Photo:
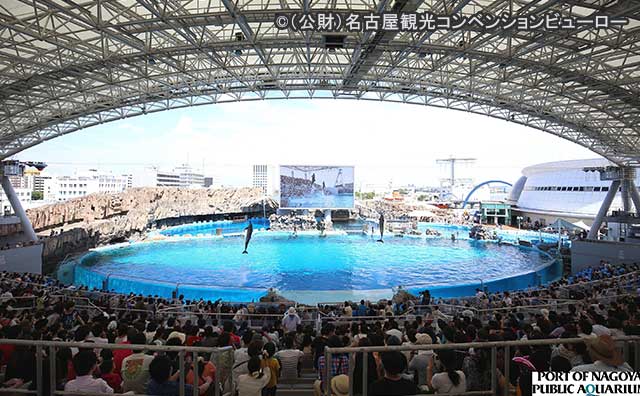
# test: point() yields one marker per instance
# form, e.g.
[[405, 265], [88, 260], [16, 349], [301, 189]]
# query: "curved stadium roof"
[[67, 65]]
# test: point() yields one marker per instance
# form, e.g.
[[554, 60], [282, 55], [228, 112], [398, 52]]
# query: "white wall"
[[580, 203]]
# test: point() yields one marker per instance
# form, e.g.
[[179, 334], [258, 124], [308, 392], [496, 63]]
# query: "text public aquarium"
[[586, 383]]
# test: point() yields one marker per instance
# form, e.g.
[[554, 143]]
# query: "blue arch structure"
[[466, 200]]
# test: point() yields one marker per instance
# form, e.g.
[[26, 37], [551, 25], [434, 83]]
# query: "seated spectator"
[[560, 364], [339, 364], [358, 369], [84, 364], [205, 370], [209, 339], [252, 383], [394, 363], [449, 380], [135, 367], [270, 362], [340, 385], [419, 362], [109, 374], [290, 359], [120, 354], [605, 356], [159, 383], [242, 356]]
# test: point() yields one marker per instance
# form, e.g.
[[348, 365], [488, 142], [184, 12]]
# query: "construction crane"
[[451, 161]]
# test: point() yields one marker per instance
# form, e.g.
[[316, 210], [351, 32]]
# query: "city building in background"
[[189, 177], [261, 177], [166, 179], [62, 188], [24, 196], [212, 181], [183, 176], [32, 180], [154, 177]]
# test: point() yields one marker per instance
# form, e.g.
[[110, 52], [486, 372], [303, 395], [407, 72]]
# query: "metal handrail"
[[494, 345], [50, 346]]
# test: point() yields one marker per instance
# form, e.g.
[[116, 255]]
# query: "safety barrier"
[[47, 350], [504, 346]]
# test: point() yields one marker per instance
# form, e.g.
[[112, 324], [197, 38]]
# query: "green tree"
[[365, 195], [422, 197], [37, 195]]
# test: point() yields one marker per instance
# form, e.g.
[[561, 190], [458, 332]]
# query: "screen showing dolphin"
[[316, 187]]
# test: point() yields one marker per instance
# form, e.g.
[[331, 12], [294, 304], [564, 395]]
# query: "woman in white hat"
[[420, 361]]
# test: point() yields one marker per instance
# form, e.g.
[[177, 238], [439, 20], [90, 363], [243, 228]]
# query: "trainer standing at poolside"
[[291, 321]]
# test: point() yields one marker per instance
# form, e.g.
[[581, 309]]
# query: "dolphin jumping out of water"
[[381, 225], [247, 237]]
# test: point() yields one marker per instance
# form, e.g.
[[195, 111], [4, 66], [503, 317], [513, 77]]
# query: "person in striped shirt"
[[289, 358], [339, 365]]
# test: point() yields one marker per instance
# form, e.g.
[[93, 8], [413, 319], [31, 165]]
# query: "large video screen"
[[316, 187]]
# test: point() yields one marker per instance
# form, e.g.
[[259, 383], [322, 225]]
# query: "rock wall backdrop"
[[86, 222]]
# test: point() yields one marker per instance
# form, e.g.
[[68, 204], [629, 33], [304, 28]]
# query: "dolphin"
[[247, 237], [381, 225]]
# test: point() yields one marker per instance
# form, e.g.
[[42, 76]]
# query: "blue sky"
[[387, 142]]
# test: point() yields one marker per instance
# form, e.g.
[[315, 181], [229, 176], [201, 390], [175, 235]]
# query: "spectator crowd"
[[265, 346]]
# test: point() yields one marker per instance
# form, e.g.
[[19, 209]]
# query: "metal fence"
[[45, 351], [630, 349]]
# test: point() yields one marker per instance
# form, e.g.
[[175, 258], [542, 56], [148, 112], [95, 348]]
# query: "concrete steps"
[[302, 386]]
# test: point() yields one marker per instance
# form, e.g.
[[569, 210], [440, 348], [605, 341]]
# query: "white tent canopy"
[[582, 225], [567, 225]]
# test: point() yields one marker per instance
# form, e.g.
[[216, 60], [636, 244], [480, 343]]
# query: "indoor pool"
[[309, 268]]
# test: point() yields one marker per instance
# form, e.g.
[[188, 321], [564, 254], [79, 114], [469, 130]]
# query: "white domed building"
[[562, 189]]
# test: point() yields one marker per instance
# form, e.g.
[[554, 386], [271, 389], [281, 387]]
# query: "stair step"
[[295, 392]]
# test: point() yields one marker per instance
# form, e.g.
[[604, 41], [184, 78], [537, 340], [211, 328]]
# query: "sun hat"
[[292, 311], [423, 339], [525, 362], [603, 348], [340, 385], [178, 335], [396, 333]]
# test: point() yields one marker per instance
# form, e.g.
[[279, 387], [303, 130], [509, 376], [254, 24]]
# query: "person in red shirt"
[[120, 354], [228, 328], [112, 378], [192, 336], [6, 350]]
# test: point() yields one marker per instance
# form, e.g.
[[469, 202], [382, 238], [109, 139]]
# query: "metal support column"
[[626, 196], [27, 228], [635, 196], [606, 204]]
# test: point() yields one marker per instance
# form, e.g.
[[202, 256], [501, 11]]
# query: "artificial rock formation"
[[97, 219], [288, 223]]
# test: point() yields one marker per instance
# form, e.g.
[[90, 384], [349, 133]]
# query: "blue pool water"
[[309, 268]]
